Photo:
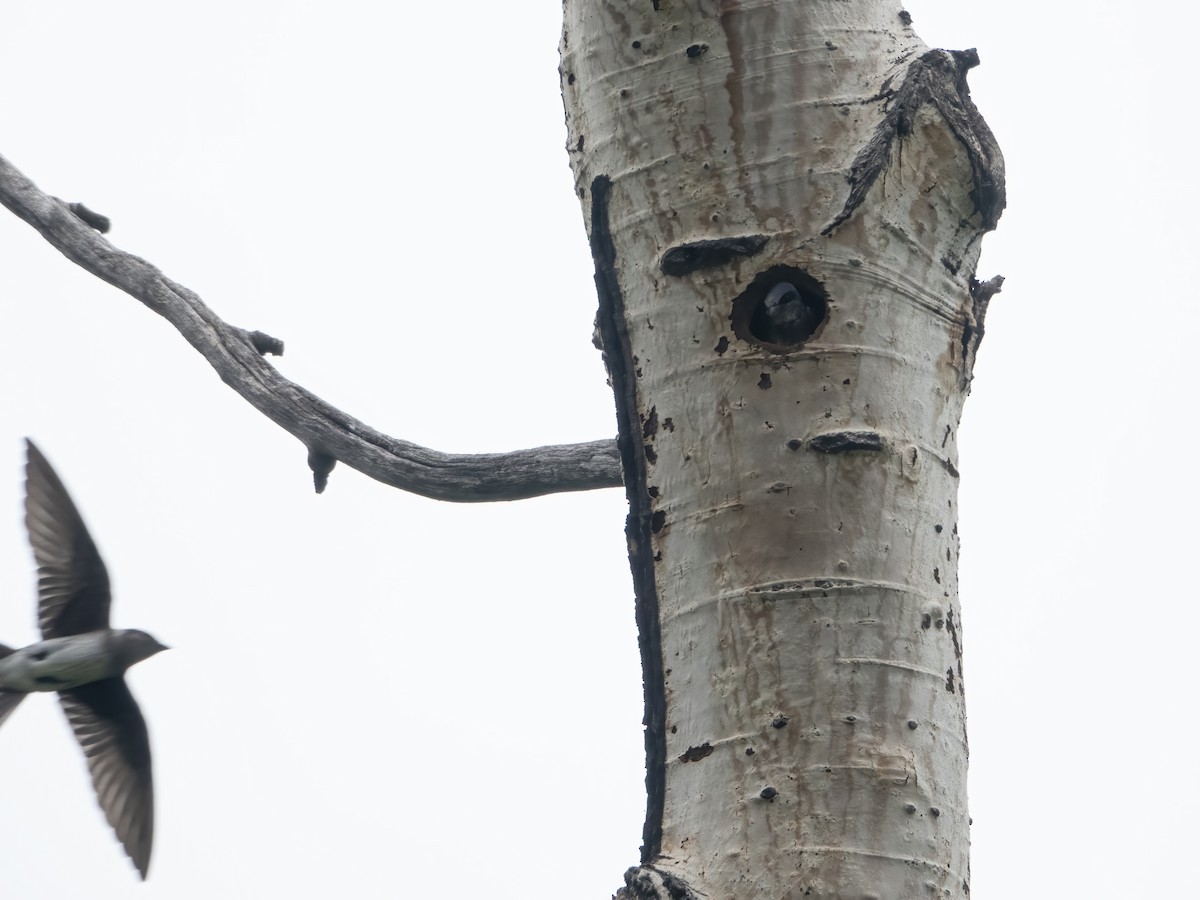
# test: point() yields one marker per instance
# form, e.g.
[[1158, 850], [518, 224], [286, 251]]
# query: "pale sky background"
[[374, 695]]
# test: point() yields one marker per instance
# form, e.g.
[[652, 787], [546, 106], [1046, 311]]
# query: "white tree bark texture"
[[329, 434], [785, 203]]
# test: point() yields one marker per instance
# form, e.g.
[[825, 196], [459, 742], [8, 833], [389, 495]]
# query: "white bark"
[[793, 527]]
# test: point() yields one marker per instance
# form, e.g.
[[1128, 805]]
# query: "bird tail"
[[8, 699]]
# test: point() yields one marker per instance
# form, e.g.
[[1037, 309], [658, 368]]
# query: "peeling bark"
[[939, 78], [972, 333], [327, 433]]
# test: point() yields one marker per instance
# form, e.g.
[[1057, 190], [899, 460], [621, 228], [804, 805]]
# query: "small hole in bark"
[[658, 521], [795, 444], [768, 793], [696, 50], [781, 309], [571, 78], [779, 722], [637, 45], [579, 143]]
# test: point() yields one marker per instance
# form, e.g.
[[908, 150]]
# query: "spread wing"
[[73, 592], [9, 700], [110, 729]]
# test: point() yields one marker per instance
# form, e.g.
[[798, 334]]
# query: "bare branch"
[[328, 433]]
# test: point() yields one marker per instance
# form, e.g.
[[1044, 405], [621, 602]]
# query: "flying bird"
[[84, 660]]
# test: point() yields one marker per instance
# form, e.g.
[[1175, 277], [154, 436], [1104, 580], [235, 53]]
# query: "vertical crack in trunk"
[[621, 370]]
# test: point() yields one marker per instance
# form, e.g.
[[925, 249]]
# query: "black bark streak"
[[962, 687], [953, 629], [846, 441], [938, 77], [619, 359], [689, 257]]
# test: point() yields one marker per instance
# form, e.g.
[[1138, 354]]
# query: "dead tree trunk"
[[785, 203]]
